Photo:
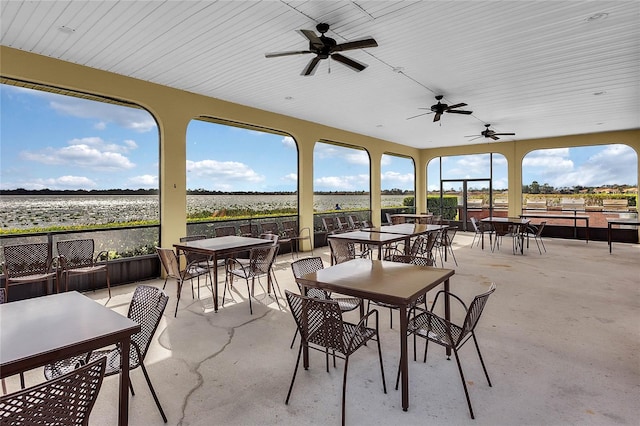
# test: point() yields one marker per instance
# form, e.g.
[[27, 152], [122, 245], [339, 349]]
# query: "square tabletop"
[[378, 280], [367, 237], [411, 229], [37, 331], [222, 245]]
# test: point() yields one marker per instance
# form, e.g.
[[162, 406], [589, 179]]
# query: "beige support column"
[[420, 184], [306, 144], [172, 177], [375, 158]]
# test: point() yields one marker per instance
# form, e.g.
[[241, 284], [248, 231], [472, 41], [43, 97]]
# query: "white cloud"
[[101, 125], [291, 177], [391, 178], [135, 119], [223, 171], [342, 183], [144, 181], [350, 155], [289, 142], [90, 152]]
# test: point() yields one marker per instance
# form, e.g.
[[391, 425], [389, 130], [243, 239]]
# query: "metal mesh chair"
[[249, 230], [308, 265], [260, 264], [329, 225], [433, 328], [77, 258], [66, 400], [146, 308], [479, 230], [29, 263], [224, 231], [444, 244], [270, 228], [535, 232], [321, 328], [294, 235], [171, 265], [343, 251]]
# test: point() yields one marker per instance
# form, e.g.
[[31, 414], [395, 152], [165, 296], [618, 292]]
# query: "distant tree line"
[[545, 188]]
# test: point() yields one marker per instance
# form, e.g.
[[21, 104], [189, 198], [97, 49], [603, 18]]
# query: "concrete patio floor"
[[560, 338]]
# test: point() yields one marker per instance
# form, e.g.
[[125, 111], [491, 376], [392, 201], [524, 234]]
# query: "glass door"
[[461, 199]]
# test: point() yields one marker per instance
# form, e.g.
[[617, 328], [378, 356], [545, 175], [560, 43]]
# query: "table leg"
[[214, 284], [447, 308], [609, 237], [404, 365], [123, 400]]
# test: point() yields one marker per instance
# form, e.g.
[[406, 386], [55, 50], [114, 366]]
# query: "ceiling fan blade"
[[293, 52], [473, 136], [494, 137], [311, 66], [456, 106], [477, 137], [437, 117], [459, 111], [313, 38], [419, 115], [505, 134], [352, 63], [356, 44]]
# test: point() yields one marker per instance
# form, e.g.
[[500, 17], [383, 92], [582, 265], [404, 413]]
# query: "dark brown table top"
[[368, 237], [514, 220], [623, 221], [378, 280], [407, 229], [37, 331], [222, 245]]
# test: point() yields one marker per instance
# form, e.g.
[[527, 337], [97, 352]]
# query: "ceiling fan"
[[325, 47], [441, 108], [488, 133]]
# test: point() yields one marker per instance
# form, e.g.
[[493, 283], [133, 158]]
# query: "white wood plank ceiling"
[[538, 69]]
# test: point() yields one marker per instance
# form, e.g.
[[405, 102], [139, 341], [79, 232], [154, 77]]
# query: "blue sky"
[[60, 142]]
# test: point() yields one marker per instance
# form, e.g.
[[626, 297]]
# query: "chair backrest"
[[329, 225], [475, 310], [501, 228], [343, 223], [26, 259], [354, 221], [388, 216], [261, 259], [474, 223], [270, 228], [413, 260], [249, 230], [290, 228], [169, 262], [224, 231], [146, 308], [397, 220], [306, 266], [76, 253], [341, 251], [191, 256], [449, 234], [319, 321], [272, 237], [540, 228], [66, 400]]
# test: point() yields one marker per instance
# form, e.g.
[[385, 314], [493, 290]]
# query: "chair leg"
[[249, 296], [108, 282], [295, 370], [294, 338], [481, 360], [344, 387], [153, 392], [384, 382], [464, 384], [179, 286]]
